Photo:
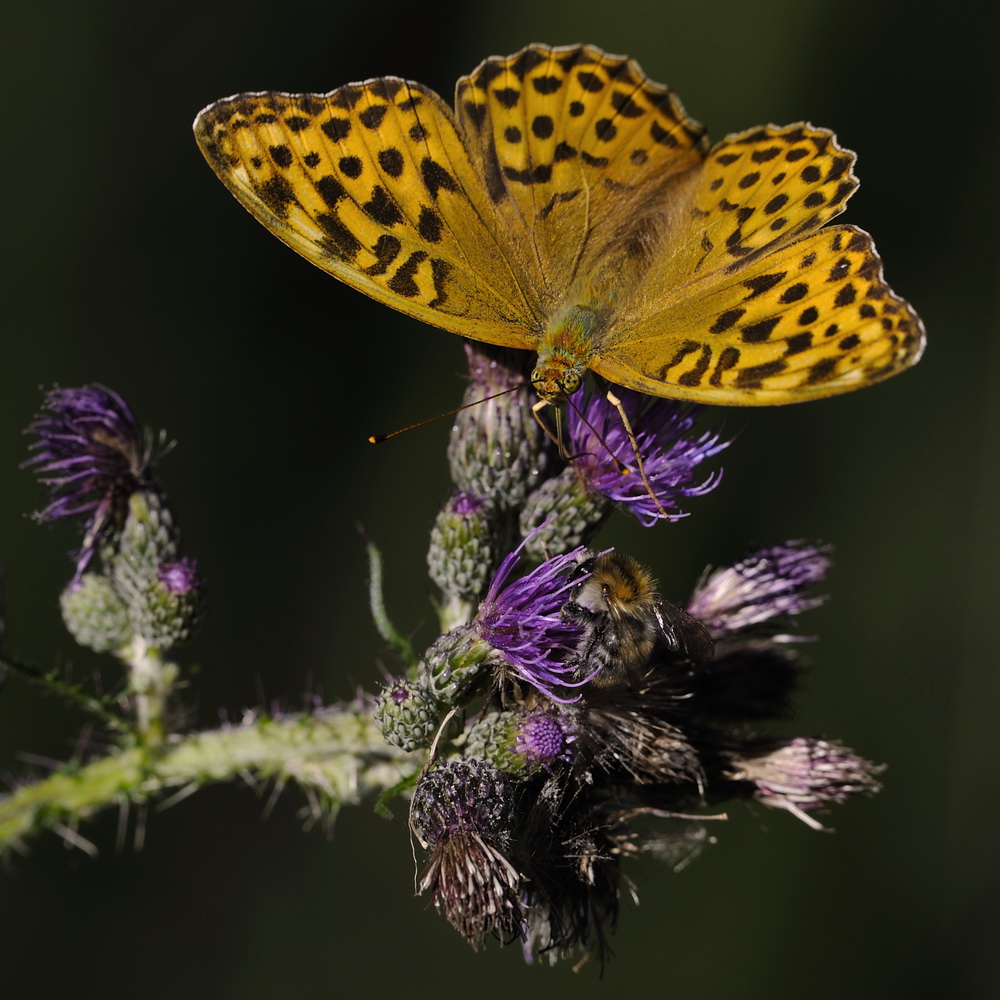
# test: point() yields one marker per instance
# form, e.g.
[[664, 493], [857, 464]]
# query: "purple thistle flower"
[[667, 443], [806, 774], [543, 738], [92, 453], [523, 621], [462, 808], [180, 576], [762, 586]]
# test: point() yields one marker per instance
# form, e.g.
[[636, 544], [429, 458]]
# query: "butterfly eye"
[[570, 383]]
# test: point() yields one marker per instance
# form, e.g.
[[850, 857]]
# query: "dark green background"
[[129, 264]]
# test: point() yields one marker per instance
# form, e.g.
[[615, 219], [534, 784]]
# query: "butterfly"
[[569, 206]]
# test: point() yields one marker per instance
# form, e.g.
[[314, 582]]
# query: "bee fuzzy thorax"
[[618, 585], [627, 624]]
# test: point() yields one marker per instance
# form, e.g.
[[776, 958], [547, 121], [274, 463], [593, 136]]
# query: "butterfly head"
[[555, 383]]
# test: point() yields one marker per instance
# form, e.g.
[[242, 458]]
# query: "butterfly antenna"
[[379, 438]]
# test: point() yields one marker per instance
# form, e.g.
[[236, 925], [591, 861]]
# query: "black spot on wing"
[[794, 292], [822, 371], [282, 156], [476, 113], [339, 242], [757, 333], [391, 161], [546, 84], [440, 269], [726, 320], [381, 208], [277, 193], [336, 129], [372, 117], [728, 358], [436, 178], [693, 377], [798, 342], [350, 166], [507, 96], [386, 250], [402, 282], [429, 225], [763, 283], [752, 377], [846, 295]]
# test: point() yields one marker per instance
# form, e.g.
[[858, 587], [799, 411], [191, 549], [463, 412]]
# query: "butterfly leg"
[[616, 403]]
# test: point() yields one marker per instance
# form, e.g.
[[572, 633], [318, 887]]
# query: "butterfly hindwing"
[[809, 319], [755, 302]]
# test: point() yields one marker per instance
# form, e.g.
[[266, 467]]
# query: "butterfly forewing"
[[372, 184], [572, 144]]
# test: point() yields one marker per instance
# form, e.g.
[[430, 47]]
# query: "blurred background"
[[128, 263]]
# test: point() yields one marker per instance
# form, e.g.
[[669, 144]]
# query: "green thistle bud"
[[148, 541], [407, 714], [462, 549], [494, 739], [169, 612], [497, 448], [160, 591], [573, 513], [454, 663], [95, 614]]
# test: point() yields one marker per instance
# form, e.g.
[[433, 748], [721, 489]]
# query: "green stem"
[[337, 753], [150, 680], [380, 616]]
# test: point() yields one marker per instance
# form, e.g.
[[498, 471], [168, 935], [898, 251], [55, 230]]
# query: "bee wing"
[[684, 633]]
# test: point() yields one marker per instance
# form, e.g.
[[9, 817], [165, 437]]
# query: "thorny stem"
[[337, 755]]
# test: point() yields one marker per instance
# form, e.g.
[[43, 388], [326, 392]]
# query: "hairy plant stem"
[[150, 681], [336, 754]]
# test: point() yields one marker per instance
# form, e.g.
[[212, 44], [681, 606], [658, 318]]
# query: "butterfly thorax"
[[566, 348]]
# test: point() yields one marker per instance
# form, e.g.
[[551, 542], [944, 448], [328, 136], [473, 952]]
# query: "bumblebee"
[[627, 623]]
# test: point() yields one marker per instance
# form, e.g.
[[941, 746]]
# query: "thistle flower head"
[[543, 738], [522, 620], [180, 576], [666, 440], [462, 807], [92, 454], [803, 774], [765, 585]]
